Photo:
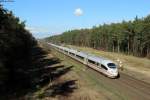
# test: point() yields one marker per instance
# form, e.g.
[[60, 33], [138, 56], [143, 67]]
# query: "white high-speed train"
[[105, 66]]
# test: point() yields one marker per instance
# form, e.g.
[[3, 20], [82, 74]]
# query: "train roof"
[[97, 59], [83, 54]]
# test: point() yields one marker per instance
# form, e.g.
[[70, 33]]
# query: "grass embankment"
[[89, 84], [134, 66]]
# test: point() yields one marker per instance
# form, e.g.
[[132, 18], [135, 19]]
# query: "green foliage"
[[132, 37], [16, 45]]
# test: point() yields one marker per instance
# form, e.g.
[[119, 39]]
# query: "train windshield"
[[111, 65]]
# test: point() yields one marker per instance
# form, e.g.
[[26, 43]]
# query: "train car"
[[100, 64], [105, 66]]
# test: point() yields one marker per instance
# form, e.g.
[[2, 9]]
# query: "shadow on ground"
[[63, 88], [40, 73]]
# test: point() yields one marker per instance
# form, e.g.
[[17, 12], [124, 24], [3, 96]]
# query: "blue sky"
[[48, 17]]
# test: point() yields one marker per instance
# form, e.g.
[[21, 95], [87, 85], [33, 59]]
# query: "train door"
[[99, 65], [85, 61]]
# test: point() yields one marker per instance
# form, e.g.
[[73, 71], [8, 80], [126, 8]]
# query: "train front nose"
[[114, 72]]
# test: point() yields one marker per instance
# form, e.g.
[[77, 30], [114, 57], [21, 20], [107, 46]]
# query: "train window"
[[102, 66], [71, 53], [80, 57], [66, 51], [111, 65], [92, 62]]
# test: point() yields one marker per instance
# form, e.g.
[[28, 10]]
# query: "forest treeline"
[[129, 37], [15, 49], [16, 54]]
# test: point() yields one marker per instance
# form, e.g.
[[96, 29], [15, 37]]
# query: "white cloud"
[[78, 12]]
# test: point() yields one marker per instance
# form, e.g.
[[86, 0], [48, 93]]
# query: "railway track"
[[125, 87]]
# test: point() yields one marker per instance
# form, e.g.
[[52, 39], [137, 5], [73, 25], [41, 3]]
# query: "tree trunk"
[[148, 54], [128, 47], [118, 46], [113, 48]]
